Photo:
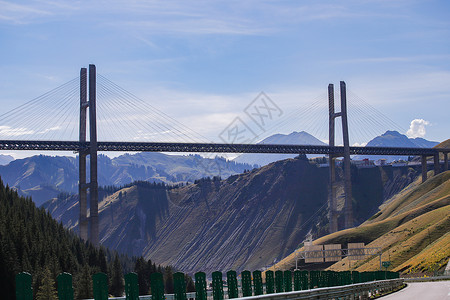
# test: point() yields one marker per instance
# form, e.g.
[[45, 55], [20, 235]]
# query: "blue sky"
[[203, 62]]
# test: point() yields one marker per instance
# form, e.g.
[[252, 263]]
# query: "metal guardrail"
[[358, 289], [422, 279]]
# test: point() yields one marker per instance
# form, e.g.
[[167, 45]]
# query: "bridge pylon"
[[83, 186], [348, 210]]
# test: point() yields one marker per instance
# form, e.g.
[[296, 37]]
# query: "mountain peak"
[[393, 133], [293, 138]]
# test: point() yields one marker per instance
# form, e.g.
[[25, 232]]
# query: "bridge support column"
[[445, 161], [424, 168], [437, 167], [332, 162], [93, 186], [348, 210], [82, 188]]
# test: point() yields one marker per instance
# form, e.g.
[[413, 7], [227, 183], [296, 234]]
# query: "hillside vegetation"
[[32, 241], [412, 229]]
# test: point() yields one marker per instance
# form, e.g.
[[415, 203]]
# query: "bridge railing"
[[279, 284]]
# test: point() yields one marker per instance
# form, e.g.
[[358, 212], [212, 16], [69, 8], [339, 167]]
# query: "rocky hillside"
[[412, 229], [246, 221]]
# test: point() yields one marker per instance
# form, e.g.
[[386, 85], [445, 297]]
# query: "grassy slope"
[[412, 230]]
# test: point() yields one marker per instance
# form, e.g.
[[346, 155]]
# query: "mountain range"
[[44, 177], [396, 139], [388, 139], [245, 221]]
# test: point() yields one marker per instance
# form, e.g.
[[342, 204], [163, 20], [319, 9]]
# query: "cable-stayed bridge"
[[44, 124]]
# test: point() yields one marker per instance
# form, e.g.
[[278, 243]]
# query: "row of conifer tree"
[[32, 241]]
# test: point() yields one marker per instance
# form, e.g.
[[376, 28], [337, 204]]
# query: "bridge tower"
[[83, 186], [348, 210]]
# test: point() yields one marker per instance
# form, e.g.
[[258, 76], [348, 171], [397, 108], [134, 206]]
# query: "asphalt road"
[[435, 290]]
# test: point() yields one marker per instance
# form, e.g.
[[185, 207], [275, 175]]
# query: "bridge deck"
[[212, 147]]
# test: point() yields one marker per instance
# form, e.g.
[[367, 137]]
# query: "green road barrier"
[[200, 286], [24, 291], [100, 286], [217, 284], [65, 288]]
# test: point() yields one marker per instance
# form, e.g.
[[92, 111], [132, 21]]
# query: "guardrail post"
[[217, 285], [157, 286], [200, 286], [287, 281], [270, 282], [246, 284], [305, 280], [356, 278], [313, 278], [24, 291], [257, 283], [65, 289], [279, 281], [179, 284], [100, 286], [297, 280], [131, 286], [233, 291]]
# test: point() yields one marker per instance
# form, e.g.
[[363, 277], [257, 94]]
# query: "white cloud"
[[50, 129], [417, 128], [9, 131]]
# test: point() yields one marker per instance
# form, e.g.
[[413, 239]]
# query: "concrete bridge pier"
[[82, 187], [437, 167], [445, 161], [332, 203], [348, 210], [93, 186]]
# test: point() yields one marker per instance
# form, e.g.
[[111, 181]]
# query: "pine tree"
[[168, 280], [190, 285], [117, 284], [141, 268], [47, 289], [83, 288]]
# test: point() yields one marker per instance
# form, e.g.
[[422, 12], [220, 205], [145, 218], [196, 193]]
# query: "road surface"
[[434, 290]]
